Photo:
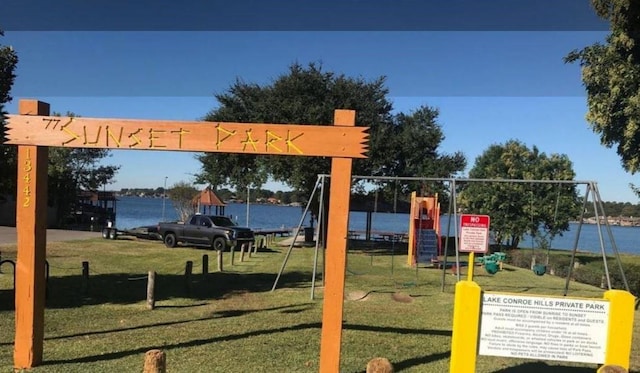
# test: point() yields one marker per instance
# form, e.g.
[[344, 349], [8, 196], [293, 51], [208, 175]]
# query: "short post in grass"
[[249, 247], [187, 276], [219, 259], [242, 248], [205, 264], [155, 361], [85, 278], [233, 248], [151, 286]]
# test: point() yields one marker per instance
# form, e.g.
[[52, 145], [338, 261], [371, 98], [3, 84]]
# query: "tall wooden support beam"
[[31, 223], [332, 309]]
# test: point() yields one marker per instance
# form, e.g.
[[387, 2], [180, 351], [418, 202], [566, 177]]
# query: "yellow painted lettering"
[[111, 135], [86, 140], [74, 136], [291, 145], [135, 138], [180, 133], [249, 141], [152, 136], [270, 140], [219, 139]]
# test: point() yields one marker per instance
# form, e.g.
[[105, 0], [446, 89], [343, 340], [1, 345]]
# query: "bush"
[[631, 272], [560, 265], [590, 273], [522, 257]]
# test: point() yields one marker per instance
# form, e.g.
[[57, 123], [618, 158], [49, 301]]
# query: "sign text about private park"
[[227, 137], [544, 328], [474, 233]]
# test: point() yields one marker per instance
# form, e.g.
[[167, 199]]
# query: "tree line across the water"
[[226, 195]]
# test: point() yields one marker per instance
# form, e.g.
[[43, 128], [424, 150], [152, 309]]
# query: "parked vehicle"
[[216, 232]]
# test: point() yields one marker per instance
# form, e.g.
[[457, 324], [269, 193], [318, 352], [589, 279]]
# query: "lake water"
[[135, 212]]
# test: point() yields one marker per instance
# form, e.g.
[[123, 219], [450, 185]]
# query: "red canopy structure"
[[206, 199]]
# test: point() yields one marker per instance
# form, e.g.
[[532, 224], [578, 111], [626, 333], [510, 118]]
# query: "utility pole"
[[164, 196], [248, 205]]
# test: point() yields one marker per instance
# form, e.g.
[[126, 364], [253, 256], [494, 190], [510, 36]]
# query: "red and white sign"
[[474, 233]]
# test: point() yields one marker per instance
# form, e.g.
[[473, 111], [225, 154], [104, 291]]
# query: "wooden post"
[[219, 257], [85, 278], [151, 290], [205, 264], [187, 276], [242, 248], [155, 361], [333, 303], [249, 248], [31, 224], [232, 253]]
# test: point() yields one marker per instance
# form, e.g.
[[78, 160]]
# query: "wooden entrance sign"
[[34, 130]]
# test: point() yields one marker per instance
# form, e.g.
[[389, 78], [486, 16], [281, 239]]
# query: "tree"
[[611, 76], [308, 95], [517, 208], [8, 153], [74, 169], [181, 195]]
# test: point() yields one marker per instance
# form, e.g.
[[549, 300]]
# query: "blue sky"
[[490, 86]]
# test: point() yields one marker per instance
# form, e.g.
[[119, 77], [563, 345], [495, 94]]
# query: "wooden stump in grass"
[[155, 361], [379, 365], [612, 369]]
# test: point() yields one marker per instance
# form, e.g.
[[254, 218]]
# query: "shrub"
[[590, 273]]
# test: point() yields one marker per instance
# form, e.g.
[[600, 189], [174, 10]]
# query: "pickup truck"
[[216, 232]]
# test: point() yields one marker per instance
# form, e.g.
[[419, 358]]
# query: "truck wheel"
[[105, 233], [219, 244], [170, 240], [113, 234]]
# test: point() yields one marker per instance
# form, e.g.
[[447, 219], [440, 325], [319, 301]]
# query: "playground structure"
[[424, 230]]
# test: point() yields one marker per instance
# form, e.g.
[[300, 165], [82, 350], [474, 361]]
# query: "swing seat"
[[539, 269], [491, 267]]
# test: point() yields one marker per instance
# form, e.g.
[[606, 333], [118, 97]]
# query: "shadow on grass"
[[193, 343], [120, 288], [199, 342]]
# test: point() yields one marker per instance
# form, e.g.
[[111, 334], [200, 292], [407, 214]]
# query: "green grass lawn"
[[232, 322]]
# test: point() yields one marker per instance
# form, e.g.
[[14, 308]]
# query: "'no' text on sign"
[[474, 233]]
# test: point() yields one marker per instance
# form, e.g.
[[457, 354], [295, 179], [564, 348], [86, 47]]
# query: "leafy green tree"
[[543, 210], [611, 76], [400, 145], [181, 195], [8, 153]]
